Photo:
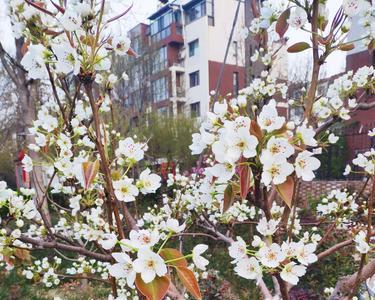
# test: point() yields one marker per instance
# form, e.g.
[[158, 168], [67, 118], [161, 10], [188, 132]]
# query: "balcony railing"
[[170, 34], [180, 92]]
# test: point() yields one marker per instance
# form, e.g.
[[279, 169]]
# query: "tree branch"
[[346, 284]]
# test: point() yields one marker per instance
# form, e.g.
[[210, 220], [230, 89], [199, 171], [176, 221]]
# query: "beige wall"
[[198, 30], [219, 34]]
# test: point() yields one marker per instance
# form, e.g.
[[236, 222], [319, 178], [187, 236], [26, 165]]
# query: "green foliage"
[[333, 161], [168, 137], [328, 268], [15, 286], [7, 164]]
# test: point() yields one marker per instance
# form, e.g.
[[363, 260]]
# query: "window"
[[159, 60], [161, 27], [210, 12], [194, 79], [195, 110], [160, 89], [236, 83], [163, 111], [161, 23], [195, 12], [193, 48]]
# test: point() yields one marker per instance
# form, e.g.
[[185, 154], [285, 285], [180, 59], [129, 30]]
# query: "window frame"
[[196, 113], [193, 50], [194, 79]]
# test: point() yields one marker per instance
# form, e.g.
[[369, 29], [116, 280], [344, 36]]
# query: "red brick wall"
[[317, 189], [227, 82]]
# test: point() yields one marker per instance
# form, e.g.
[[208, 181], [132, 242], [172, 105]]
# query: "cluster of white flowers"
[[361, 243], [45, 271], [342, 93], [338, 204], [261, 88], [18, 205], [231, 139], [290, 259], [92, 266], [366, 13], [149, 263], [61, 55], [365, 161], [269, 13]]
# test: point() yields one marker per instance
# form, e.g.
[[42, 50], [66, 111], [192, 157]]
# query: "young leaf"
[[346, 47], [156, 289], [286, 191], [371, 45], [22, 254], [171, 254], [90, 170], [256, 131], [131, 52], [298, 47], [228, 197], [282, 23], [189, 281], [245, 181]]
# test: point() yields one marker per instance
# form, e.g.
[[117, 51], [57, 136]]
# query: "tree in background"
[[167, 138]]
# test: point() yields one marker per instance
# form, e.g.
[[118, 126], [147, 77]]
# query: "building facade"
[[180, 57]]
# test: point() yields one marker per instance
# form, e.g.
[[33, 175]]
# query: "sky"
[[144, 8]]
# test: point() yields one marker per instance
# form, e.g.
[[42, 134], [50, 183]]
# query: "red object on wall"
[[22, 177], [167, 168]]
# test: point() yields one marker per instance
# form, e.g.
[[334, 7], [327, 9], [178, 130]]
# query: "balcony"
[[169, 35], [180, 91]]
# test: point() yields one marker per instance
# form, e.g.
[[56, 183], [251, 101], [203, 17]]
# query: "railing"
[[180, 92], [173, 31]]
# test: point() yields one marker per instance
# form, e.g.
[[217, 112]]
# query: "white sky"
[[144, 8]]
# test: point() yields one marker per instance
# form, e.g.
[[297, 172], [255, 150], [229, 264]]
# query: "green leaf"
[[298, 47], [286, 191], [156, 289], [282, 24], [173, 254], [189, 281]]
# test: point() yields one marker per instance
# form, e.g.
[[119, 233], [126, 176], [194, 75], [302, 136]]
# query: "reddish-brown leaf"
[[371, 45], [245, 181], [25, 47], [22, 254], [171, 254], [256, 131], [286, 191], [282, 24], [131, 52], [346, 47], [90, 170], [156, 289], [189, 281], [228, 197], [298, 47]]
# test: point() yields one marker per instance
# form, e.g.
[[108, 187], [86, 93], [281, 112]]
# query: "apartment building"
[[180, 55]]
